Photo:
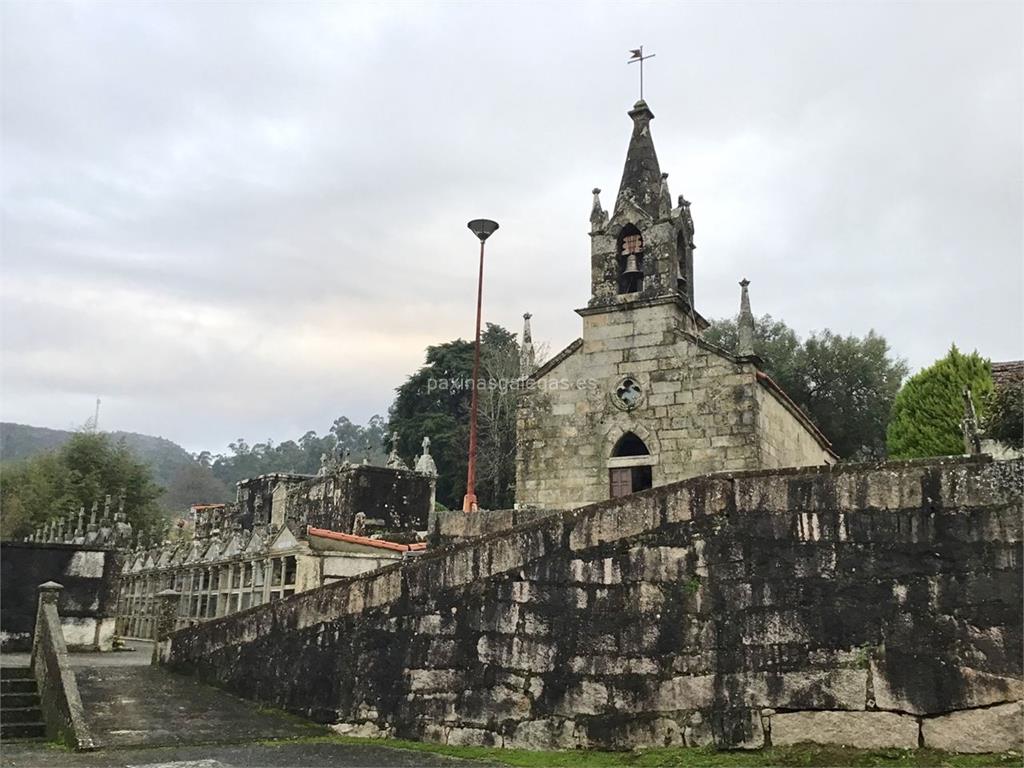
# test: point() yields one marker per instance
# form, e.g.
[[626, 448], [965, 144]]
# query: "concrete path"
[[147, 717], [138, 653], [277, 755], [148, 706], [129, 703]]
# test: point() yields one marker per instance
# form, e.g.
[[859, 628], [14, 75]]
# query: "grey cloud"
[[232, 221]]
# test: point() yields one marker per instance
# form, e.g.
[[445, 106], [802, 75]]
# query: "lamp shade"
[[482, 228]]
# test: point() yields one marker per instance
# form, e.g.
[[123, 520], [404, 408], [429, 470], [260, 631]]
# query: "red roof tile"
[[365, 540]]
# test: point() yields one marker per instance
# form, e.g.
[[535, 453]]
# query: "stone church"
[[641, 399]]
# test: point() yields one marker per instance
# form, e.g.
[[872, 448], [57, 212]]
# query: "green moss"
[[808, 755], [862, 656]]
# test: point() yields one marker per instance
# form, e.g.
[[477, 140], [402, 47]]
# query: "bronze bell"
[[632, 268]]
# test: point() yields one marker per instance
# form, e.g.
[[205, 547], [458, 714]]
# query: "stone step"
[[12, 715], [17, 686], [10, 731], [9, 700], [16, 673]]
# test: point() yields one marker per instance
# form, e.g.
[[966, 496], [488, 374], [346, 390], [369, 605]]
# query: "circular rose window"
[[628, 394]]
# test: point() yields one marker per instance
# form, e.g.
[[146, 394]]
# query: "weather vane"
[[638, 55]]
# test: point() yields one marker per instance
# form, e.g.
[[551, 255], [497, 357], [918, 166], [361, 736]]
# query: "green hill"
[[185, 480]]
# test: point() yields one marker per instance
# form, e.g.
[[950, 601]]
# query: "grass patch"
[[801, 756]]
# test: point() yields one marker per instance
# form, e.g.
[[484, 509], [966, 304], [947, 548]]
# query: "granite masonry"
[[286, 533], [866, 605], [641, 399], [391, 499], [88, 573]]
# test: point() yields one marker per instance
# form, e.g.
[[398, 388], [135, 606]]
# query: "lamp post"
[[482, 228]]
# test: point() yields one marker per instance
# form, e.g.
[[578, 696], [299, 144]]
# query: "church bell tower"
[[643, 254]]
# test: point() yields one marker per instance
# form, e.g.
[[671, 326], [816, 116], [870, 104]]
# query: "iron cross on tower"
[[638, 55]]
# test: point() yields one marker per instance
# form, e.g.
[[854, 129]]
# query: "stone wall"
[[783, 440], [456, 526], [87, 602], [59, 699], [256, 496], [691, 397], [700, 411], [863, 605], [393, 500]]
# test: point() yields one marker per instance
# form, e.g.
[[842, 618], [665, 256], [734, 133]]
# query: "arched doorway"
[[629, 468]]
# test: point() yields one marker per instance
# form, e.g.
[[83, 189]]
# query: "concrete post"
[[166, 614], [48, 594]]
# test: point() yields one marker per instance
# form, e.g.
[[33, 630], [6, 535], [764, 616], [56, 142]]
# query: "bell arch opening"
[[682, 249], [630, 260]]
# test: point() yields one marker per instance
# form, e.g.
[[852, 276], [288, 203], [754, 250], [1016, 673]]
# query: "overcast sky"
[[232, 219]]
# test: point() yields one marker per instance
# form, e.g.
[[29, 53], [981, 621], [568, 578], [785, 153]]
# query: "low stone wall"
[[455, 526], [87, 603], [59, 700], [862, 605]]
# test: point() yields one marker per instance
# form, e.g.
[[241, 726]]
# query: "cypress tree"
[[928, 409]]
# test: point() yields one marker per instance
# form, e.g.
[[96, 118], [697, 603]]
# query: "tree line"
[[855, 389], [81, 473]]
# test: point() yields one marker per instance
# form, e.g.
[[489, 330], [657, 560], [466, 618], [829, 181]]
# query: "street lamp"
[[482, 228]]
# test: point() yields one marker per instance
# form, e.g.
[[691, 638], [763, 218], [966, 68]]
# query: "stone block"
[[614, 524], [385, 588], [536, 625], [526, 654], [646, 598], [773, 627], [601, 665], [678, 505], [497, 617], [639, 733], [812, 689], [971, 485], [365, 730], [458, 568], [547, 734], [615, 331], [992, 729], [499, 556], [697, 731], [602, 571], [587, 697], [905, 689], [660, 564], [738, 728], [474, 737], [861, 730], [429, 624], [434, 679], [689, 692]]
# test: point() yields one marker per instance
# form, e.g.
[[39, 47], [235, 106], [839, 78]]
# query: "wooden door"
[[620, 481]]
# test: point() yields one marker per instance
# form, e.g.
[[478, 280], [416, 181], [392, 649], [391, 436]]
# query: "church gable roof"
[[555, 361], [768, 383], [786, 401]]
